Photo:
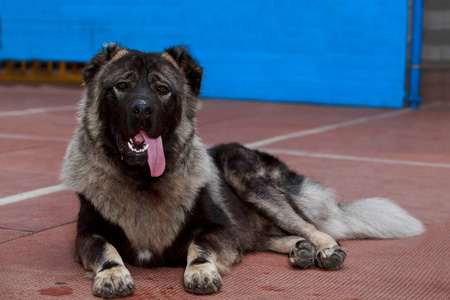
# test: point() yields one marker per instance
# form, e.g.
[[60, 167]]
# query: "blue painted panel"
[[344, 52]]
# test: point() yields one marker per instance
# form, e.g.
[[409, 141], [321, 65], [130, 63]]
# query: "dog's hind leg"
[[269, 187], [301, 251], [279, 207]]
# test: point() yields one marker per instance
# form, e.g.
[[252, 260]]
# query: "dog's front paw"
[[331, 258], [115, 282], [202, 279]]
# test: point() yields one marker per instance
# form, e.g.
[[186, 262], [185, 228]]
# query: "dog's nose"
[[141, 109]]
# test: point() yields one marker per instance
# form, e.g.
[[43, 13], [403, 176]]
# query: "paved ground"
[[400, 154]]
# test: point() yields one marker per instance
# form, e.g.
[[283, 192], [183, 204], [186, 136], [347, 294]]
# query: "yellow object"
[[37, 71]]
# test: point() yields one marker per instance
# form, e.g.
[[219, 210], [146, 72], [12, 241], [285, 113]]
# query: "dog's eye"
[[122, 86], [163, 90]]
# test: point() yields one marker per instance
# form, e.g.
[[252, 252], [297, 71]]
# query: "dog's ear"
[[100, 59], [188, 65]]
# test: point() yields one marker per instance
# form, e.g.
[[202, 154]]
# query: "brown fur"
[[208, 207], [152, 218], [84, 170]]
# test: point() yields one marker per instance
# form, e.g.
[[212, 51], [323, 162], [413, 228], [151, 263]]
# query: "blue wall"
[[344, 52]]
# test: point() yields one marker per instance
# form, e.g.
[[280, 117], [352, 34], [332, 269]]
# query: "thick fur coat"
[[152, 194]]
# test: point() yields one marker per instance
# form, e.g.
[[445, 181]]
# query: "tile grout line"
[[31, 232], [31, 111], [32, 194], [17, 238], [326, 128], [31, 138], [357, 158], [23, 230]]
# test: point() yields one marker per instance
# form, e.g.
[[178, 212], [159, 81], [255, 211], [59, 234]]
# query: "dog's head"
[[137, 104]]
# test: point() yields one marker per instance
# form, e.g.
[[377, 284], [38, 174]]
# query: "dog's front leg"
[[208, 257], [201, 275], [112, 278]]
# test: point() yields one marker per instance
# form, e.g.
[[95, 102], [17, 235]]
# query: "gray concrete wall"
[[436, 32]]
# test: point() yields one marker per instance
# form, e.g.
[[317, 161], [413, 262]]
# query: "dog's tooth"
[[134, 149]]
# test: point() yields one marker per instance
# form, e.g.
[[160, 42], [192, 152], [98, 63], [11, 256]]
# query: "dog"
[[152, 194]]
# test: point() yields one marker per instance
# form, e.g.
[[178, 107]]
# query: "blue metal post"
[[416, 53]]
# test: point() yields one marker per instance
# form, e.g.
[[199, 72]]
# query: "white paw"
[[113, 283], [202, 279]]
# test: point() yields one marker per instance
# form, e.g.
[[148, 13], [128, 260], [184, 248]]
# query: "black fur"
[[204, 217], [199, 260], [99, 60], [219, 223], [189, 66], [91, 222], [206, 209], [109, 265]]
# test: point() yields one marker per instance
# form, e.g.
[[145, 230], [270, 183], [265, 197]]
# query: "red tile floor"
[[361, 152]]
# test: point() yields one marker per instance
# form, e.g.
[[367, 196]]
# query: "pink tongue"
[[155, 154]]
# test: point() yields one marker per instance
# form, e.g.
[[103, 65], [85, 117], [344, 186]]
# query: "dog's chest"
[[152, 226], [150, 220]]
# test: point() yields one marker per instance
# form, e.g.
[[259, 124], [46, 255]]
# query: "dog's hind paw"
[[302, 254], [115, 282], [330, 258], [202, 279]]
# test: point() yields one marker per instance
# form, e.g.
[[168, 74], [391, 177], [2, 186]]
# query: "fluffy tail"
[[377, 218]]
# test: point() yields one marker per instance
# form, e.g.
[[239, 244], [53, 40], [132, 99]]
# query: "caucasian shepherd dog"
[[152, 194]]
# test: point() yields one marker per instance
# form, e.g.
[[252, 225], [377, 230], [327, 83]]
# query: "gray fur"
[[373, 218], [92, 174], [210, 208], [376, 218]]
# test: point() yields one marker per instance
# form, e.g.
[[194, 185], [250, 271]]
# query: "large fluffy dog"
[[153, 195]]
